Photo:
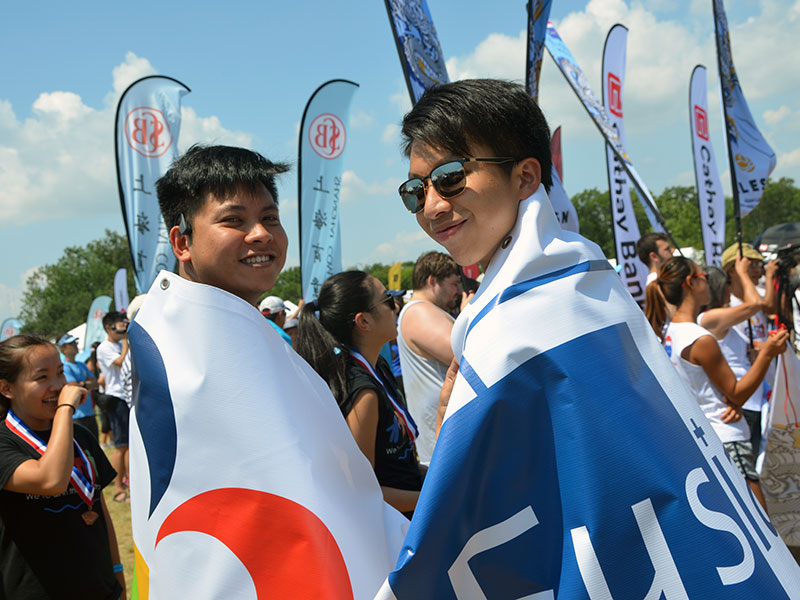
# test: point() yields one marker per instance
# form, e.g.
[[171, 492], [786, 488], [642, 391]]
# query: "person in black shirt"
[[356, 318], [56, 536]]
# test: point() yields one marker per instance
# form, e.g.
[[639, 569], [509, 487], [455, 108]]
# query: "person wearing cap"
[[752, 332], [79, 373], [274, 309], [290, 328]]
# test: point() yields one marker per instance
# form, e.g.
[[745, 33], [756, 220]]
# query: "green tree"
[[57, 297], [678, 206], [287, 287], [780, 203]]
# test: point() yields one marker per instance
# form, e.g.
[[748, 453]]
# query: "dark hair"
[[647, 244], [717, 280], [325, 341], [438, 264], [668, 287], [498, 114], [12, 360], [217, 170], [112, 318]]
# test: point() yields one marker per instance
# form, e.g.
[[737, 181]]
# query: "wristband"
[[68, 405], [117, 568]]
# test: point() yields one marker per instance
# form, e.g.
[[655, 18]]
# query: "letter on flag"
[[9, 328], [245, 479], [395, 276], [146, 139], [121, 290], [625, 227], [750, 156], [577, 80], [538, 14], [94, 321], [573, 462], [710, 198], [323, 137]]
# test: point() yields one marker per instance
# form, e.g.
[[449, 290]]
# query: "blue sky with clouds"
[[252, 67]]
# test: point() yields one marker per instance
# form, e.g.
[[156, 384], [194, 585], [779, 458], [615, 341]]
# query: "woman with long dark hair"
[[356, 318], [699, 361], [56, 536]]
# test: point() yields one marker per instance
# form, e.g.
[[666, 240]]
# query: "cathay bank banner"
[[577, 80], [710, 198], [417, 44], [751, 158], [538, 14], [626, 229], [323, 139], [146, 138]]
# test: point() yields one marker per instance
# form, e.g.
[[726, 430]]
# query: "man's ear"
[[431, 281], [180, 243], [529, 171]]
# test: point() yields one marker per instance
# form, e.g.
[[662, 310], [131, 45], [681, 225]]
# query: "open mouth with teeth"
[[261, 259]]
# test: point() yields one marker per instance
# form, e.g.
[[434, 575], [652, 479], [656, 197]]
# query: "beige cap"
[[729, 256]]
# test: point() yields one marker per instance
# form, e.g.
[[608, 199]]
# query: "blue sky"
[[252, 67]]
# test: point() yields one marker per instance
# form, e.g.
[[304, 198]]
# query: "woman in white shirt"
[[699, 361]]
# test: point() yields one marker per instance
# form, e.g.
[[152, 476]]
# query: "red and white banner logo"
[[614, 95], [327, 136], [147, 131], [701, 122]]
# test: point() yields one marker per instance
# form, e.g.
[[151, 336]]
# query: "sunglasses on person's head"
[[448, 179]]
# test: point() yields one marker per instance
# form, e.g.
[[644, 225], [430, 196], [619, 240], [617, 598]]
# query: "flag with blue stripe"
[[572, 461]]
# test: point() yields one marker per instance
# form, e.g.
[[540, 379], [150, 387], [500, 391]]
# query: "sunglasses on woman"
[[448, 179], [389, 299]]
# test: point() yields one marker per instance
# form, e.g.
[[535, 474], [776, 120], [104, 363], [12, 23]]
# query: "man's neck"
[[426, 295]]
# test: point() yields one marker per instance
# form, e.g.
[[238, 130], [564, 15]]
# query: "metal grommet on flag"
[[164, 283], [506, 242]]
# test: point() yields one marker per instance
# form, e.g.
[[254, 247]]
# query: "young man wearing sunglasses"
[[568, 434]]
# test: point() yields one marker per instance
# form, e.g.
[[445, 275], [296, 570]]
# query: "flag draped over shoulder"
[[572, 461], [781, 470], [323, 138], [146, 133], [245, 479], [626, 230], [751, 158], [710, 199]]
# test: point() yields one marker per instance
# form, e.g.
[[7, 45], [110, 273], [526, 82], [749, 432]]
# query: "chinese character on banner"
[[320, 219]]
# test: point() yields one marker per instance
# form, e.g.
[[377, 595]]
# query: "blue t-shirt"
[[78, 371]]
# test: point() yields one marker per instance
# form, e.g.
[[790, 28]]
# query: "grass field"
[[121, 515]]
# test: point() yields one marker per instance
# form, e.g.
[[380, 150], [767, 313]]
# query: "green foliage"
[[287, 287], [780, 203], [57, 297]]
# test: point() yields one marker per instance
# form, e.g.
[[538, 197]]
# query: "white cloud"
[[58, 162], [497, 56], [361, 120], [773, 117], [788, 160], [391, 134], [354, 188], [402, 246], [401, 101]]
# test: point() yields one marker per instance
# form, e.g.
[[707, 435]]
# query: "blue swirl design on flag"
[[155, 414]]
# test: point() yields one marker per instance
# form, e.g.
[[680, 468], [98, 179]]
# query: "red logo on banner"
[[701, 122], [614, 95], [98, 314], [327, 136], [147, 131]]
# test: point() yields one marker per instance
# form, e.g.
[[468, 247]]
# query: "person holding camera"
[[110, 356]]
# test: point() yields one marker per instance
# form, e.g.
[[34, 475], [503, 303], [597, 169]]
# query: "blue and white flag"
[[577, 80], [323, 137], [95, 332], [573, 462], [146, 133], [710, 198], [121, 290], [9, 328], [245, 479], [418, 45], [626, 230], [538, 15], [750, 156]]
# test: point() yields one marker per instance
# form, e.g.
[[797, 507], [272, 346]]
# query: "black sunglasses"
[[448, 179], [389, 299]]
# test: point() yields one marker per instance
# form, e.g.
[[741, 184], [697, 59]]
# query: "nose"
[[258, 233], [435, 205]]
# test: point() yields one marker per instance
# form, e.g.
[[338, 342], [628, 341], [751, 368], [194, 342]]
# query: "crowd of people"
[[390, 366]]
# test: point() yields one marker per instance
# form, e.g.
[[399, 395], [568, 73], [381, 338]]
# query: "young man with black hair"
[[110, 355], [654, 250], [567, 434]]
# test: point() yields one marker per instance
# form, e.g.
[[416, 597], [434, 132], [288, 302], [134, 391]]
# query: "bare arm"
[[426, 330], [770, 302], [706, 353], [444, 395], [363, 422], [49, 475], [719, 320], [117, 362]]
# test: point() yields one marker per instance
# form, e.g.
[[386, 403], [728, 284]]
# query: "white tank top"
[[422, 380], [680, 336]]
